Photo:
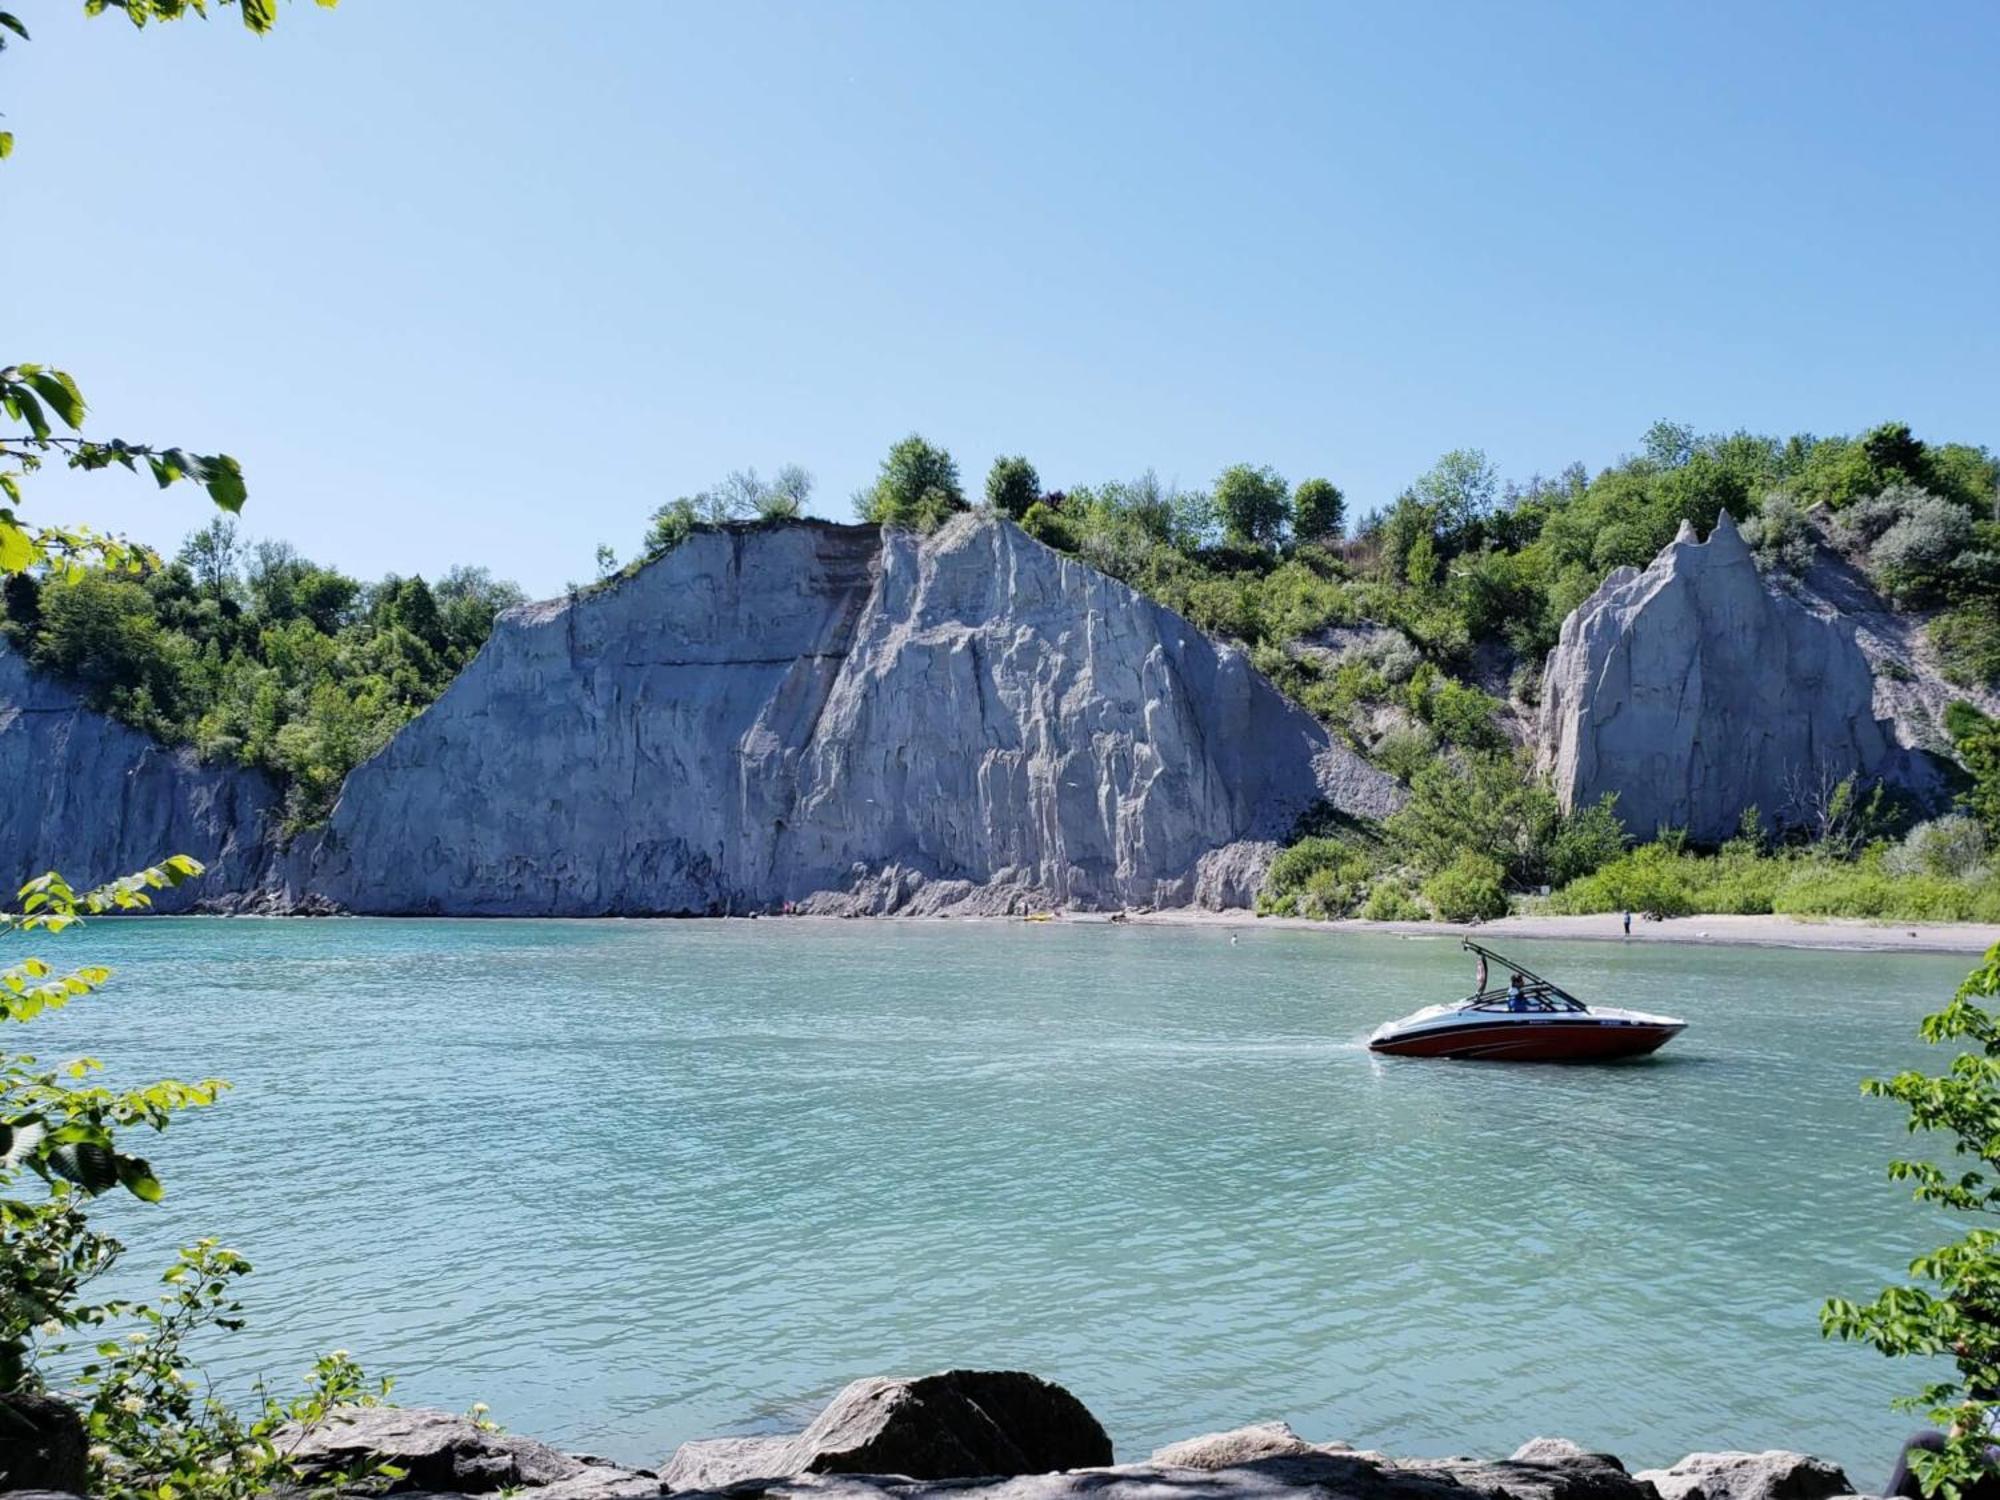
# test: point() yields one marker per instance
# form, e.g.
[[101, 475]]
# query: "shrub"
[[1319, 511], [1918, 544], [1953, 846], [1780, 536], [1663, 880], [1393, 901], [1819, 888], [1254, 504], [1457, 714], [1968, 643], [1013, 486], [1405, 751], [917, 488], [1316, 877], [1588, 839], [1047, 525], [1467, 890]]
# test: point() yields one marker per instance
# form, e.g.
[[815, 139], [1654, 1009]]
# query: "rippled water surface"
[[634, 1182]]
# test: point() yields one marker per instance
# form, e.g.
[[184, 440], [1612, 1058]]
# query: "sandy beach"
[[1847, 934]]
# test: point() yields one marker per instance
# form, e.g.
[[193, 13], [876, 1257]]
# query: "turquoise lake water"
[[633, 1182]]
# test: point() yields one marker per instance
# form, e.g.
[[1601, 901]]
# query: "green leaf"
[[31, 410], [17, 551], [64, 399], [6, 144], [14, 25], [139, 1180], [223, 479]]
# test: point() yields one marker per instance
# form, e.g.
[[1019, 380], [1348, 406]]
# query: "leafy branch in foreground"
[[1958, 1312], [155, 1432], [31, 394], [34, 394]]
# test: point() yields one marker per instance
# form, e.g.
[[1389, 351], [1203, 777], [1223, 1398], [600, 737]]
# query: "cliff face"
[[841, 719], [86, 795], [1693, 692]]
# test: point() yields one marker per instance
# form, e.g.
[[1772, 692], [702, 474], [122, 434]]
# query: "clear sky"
[[486, 280]]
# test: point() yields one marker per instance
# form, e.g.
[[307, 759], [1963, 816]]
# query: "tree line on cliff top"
[[1416, 632]]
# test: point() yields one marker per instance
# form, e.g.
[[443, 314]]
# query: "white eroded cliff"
[[1693, 692], [843, 719], [86, 795]]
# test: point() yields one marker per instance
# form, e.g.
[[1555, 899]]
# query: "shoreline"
[[1764, 930], [1834, 934]]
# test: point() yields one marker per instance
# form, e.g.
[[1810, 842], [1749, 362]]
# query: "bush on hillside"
[[1393, 900], [1824, 889], [1967, 640], [917, 488], [1586, 841], [1780, 537], [1316, 877], [1013, 486], [1954, 847], [1468, 890]]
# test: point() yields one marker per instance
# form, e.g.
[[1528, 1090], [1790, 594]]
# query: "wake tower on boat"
[[1538, 1021]]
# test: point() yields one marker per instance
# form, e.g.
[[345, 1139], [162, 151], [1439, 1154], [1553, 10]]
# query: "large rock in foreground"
[[95, 799], [960, 1424], [439, 1452], [41, 1444], [1693, 692], [1771, 1475], [1322, 1473], [843, 719]]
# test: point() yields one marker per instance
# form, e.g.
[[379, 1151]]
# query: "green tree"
[[214, 554], [1254, 503], [917, 488], [1468, 889], [1977, 737], [1459, 491], [1955, 1312], [672, 524], [1012, 486], [1319, 512]]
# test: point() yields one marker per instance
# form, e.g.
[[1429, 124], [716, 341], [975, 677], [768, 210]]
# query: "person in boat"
[[1517, 998]]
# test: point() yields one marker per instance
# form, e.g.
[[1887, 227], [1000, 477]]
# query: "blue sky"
[[485, 282]]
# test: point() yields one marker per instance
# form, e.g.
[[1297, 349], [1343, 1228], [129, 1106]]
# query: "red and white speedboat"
[[1529, 1021]]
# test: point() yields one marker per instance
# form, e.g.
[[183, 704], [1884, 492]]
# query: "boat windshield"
[[1540, 997]]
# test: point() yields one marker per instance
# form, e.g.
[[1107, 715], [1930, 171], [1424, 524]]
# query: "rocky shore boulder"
[[958, 1424], [1238, 1446], [41, 1444], [1771, 1475], [1692, 692], [1321, 1473], [440, 1452]]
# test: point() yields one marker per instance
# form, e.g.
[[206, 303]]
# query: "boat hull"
[[1556, 1039]]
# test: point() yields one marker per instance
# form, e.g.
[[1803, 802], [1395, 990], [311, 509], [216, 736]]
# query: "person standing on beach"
[[1628, 924]]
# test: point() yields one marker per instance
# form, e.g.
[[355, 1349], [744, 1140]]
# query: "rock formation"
[[830, 717], [841, 719], [1771, 1475], [959, 1424], [1693, 692], [439, 1452], [1002, 1435], [96, 799]]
